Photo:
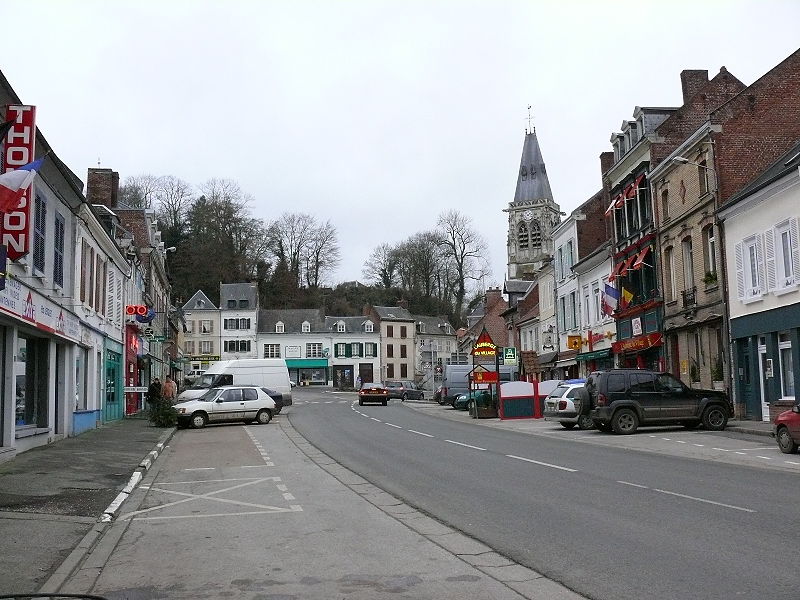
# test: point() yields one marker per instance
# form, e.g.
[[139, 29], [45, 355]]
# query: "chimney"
[[606, 162], [692, 81], [102, 187], [403, 303], [493, 296]]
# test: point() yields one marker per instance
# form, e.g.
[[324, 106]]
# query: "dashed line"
[[420, 433], [200, 469], [288, 496], [465, 445], [695, 498], [682, 442], [374, 419], [393, 425], [667, 439], [252, 466], [791, 462], [742, 453], [699, 445], [282, 487], [764, 457], [644, 487], [544, 464]]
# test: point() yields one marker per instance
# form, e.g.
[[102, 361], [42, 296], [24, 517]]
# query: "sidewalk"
[[51, 497]]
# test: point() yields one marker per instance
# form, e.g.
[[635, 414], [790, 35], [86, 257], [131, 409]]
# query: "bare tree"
[[467, 249], [174, 198], [321, 254], [287, 239], [140, 191], [381, 266]]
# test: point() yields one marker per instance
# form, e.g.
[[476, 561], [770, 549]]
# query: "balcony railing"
[[689, 297]]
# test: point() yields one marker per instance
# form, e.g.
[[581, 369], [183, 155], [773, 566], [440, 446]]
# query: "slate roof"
[[785, 164], [199, 296], [517, 286], [292, 319], [393, 313], [532, 181], [432, 325], [351, 324], [238, 291]]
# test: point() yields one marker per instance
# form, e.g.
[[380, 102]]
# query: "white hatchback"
[[565, 405], [225, 404]]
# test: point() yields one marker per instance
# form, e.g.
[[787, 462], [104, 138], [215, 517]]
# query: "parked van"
[[456, 380], [262, 372]]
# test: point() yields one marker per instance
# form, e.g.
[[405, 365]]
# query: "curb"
[[75, 558]]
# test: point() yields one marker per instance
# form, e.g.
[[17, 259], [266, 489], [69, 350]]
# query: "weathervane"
[[530, 118]]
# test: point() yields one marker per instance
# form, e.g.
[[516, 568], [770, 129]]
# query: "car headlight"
[[181, 411]]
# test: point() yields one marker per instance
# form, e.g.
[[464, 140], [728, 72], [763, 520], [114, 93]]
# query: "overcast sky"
[[375, 115]]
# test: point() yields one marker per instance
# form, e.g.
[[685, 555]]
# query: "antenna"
[[98, 161]]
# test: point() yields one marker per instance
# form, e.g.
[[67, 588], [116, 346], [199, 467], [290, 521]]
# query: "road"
[[642, 516]]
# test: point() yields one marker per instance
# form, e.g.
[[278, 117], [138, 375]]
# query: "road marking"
[[667, 439], [420, 433], [200, 469], [699, 445], [682, 442], [465, 445], [374, 419], [644, 487], [764, 457], [791, 462], [720, 449], [742, 453], [393, 425], [282, 488], [544, 464], [253, 466], [288, 496], [759, 448], [364, 415], [329, 402]]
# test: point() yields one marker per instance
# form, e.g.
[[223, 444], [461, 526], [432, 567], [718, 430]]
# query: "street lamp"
[[685, 161]]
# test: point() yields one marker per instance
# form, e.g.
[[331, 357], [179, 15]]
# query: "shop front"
[[308, 371], [134, 342], [113, 402], [567, 364], [640, 352], [596, 360]]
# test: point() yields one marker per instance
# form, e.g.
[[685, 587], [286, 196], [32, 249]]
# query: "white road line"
[[759, 448], [742, 453], [200, 469], [764, 457], [374, 419], [252, 466], [644, 487], [720, 449], [420, 433], [791, 462], [544, 464], [699, 445], [667, 439], [681, 442], [364, 415], [329, 402], [393, 425], [282, 487], [288, 496], [465, 445]]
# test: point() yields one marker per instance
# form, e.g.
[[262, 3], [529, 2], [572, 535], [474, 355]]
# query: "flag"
[[626, 298], [610, 299], [13, 184]]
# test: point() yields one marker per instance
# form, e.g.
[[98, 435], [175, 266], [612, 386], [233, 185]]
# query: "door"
[[644, 392], [764, 371], [365, 372], [252, 404], [229, 406], [745, 376], [678, 401]]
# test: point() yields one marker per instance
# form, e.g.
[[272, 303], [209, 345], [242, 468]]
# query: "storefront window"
[[787, 373], [113, 363], [30, 379]]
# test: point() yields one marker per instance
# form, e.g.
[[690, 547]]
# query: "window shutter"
[[118, 301], [794, 237], [360, 349], [740, 270], [110, 312], [211, 327], [348, 350], [760, 263], [769, 253]]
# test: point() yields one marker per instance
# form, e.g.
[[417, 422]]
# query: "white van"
[[262, 372]]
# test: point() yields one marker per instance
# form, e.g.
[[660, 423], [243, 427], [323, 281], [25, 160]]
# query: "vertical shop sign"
[[18, 150]]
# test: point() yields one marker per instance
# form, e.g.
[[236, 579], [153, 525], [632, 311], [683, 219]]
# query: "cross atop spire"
[[530, 118]]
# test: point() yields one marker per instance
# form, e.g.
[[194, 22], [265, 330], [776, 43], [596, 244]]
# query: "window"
[[782, 255], [572, 320], [665, 204], [669, 273], [250, 394], [587, 303], [642, 382], [233, 395], [523, 240], [420, 327], [389, 351], [709, 250], [236, 345], [272, 350], [688, 270], [787, 374], [340, 327], [206, 347], [305, 327], [749, 268], [189, 326], [403, 370], [616, 383], [244, 323], [370, 350], [702, 177], [597, 301], [314, 350], [403, 352], [536, 235], [403, 331], [244, 303], [389, 331], [570, 258], [279, 328], [188, 347], [369, 327], [390, 371], [39, 229], [355, 349], [341, 350], [58, 251], [231, 303], [206, 326], [230, 323]]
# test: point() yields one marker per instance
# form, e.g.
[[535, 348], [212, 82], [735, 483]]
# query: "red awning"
[[615, 271], [640, 258], [627, 265], [619, 200]]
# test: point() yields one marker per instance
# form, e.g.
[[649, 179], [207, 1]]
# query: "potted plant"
[[717, 375], [710, 278]]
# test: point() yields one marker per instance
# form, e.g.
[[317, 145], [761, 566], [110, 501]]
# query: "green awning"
[[306, 363], [594, 355]]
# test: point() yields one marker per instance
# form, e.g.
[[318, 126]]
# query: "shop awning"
[[639, 262], [306, 363], [546, 358], [594, 355]]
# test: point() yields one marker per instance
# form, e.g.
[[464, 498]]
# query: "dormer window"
[[340, 328], [369, 327], [231, 303], [420, 327], [244, 303], [279, 328], [306, 327]]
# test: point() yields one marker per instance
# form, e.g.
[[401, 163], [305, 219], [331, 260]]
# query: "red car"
[[787, 430], [373, 392]]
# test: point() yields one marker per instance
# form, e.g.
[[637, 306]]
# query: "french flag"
[[14, 184], [610, 299]]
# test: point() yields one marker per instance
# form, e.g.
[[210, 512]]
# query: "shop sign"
[[636, 325], [37, 310], [485, 377], [204, 358], [510, 356], [574, 342], [593, 355], [18, 150], [484, 346], [292, 352], [637, 344]]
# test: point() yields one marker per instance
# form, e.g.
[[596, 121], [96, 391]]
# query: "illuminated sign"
[[637, 344], [484, 346]]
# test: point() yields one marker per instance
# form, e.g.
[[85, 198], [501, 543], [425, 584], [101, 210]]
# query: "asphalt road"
[[607, 521]]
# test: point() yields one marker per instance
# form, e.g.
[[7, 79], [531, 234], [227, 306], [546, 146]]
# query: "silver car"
[[225, 404], [565, 404]]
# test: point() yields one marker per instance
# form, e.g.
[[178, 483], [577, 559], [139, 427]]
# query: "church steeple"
[[532, 215]]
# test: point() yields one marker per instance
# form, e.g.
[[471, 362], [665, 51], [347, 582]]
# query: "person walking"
[[154, 397], [169, 391]]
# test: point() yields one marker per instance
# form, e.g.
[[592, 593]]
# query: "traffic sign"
[[510, 355]]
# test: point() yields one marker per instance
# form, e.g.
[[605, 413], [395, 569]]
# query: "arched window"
[[522, 236], [536, 236]]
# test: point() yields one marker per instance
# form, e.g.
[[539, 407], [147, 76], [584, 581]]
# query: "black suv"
[[623, 399]]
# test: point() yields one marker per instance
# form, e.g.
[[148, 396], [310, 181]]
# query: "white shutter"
[[740, 270], [110, 295], [118, 306], [794, 237], [760, 264], [769, 252]]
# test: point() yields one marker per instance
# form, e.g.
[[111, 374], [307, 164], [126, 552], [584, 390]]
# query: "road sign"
[[510, 356], [158, 338], [149, 333]]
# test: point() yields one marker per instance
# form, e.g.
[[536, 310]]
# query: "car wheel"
[[404, 398], [264, 416], [715, 418], [384, 402], [566, 425], [604, 427], [199, 420], [785, 441], [584, 423], [691, 424], [624, 421]]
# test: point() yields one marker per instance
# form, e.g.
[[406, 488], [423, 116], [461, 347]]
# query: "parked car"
[[373, 392], [787, 429], [403, 389], [465, 401], [624, 399], [224, 404], [280, 399], [569, 405]]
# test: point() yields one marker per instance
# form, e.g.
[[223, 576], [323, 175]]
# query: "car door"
[[230, 405], [678, 401], [253, 402], [643, 392]]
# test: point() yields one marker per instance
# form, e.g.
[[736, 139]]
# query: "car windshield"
[[559, 391], [210, 395]]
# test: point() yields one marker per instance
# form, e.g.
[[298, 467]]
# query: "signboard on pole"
[[484, 346], [510, 356], [18, 150]]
